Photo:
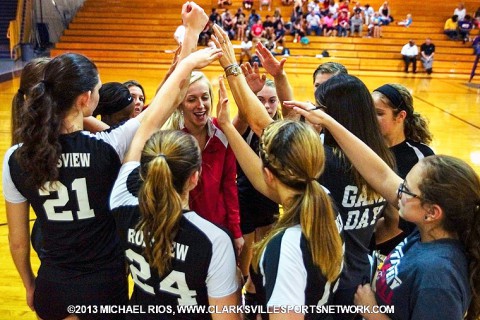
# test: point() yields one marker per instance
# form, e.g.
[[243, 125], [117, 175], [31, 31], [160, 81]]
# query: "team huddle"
[[190, 202]]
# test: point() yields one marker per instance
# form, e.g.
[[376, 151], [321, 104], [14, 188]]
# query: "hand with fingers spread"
[[254, 79], [222, 41], [204, 57], [193, 16], [269, 62]]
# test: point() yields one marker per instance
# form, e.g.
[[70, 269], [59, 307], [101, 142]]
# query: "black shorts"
[[51, 299], [254, 216]]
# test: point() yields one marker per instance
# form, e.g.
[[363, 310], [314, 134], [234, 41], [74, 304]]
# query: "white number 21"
[[80, 188]]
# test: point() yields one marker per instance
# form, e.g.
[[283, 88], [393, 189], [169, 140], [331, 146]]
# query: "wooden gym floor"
[[452, 107]]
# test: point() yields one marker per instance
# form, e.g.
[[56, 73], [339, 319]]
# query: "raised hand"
[[252, 75], [313, 114], [223, 42], [223, 108], [204, 57], [193, 16], [269, 62]]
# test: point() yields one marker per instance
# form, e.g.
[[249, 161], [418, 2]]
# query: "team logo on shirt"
[[364, 212], [387, 275]]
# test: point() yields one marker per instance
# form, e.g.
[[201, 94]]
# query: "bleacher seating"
[[135, 34]]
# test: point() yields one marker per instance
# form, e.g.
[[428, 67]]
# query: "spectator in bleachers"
[[356, 24], [427, 51], [215, 17], [344, 5], [476, 18], [375, 26], [314, 6], [451, 27], [246, 49], [465, 25], [253, 18], [460, 11], [279, 34], [268, 26], [410, 53], [205, 35], [368, 13], [257, 30], [333, 8], [287, 2], [277, 18], [227, 24], [297, 13], [222, 3], [358, 7], [385, 14], [240, 24], [265, 3], [406, 22], [343, 24], [314, 23], [328, 24], [298, 30], [248, 4]]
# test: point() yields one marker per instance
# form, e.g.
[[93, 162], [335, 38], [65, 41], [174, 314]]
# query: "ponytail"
[[310, 206], [64, 79], [161, 208], [317, 219], [416, 129], [168, 160]]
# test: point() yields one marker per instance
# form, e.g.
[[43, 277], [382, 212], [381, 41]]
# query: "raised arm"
[[194, 19], [251, 164], [256, 82], [377, 173], [165, 102], [247, 102]]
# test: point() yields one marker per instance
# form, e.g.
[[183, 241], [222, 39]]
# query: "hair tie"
[[162, 155], [395, 98], [20, 91]]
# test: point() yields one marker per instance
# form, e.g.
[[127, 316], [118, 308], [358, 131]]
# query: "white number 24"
[[175, 283], [80, 188]]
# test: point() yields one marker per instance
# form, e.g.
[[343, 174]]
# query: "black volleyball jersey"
[[409, 153], [359, 216], [79, 235], [203, 261], [288, 277], [247, 194]]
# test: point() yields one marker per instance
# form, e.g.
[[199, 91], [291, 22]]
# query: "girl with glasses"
[[434, 271]]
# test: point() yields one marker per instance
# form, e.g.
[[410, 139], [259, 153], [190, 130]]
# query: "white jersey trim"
[[222, 272], [120, 195], [10, 191], [291, 279], [417, 151], [120, 137]]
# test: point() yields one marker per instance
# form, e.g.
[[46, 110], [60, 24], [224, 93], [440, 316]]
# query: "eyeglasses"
[[403, 189]]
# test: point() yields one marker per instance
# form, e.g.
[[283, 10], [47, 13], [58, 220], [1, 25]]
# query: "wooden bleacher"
[[134, 34]]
